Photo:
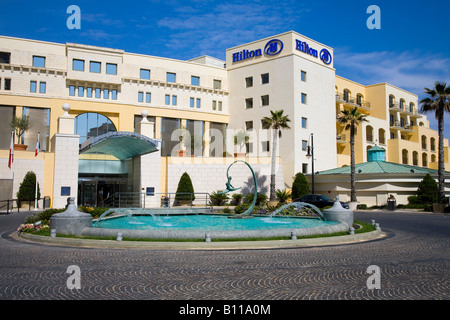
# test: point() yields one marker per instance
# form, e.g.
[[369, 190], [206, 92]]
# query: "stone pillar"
[[149, 166], [66, 149]]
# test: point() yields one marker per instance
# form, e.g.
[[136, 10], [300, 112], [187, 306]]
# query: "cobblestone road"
[[414, 264]]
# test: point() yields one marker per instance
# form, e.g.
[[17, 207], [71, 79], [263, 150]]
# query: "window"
[[171, 77], [217, 84], [248, 125], [95, 67], [195, 81], [7, 84], [198, 103], [304, 168], [72, 91], [78, 65], [191, 102], [249, 82], [214, 105], [105, 94], [249, 103], [114, 94], [89, 92], [304, 145], [264, 78], [38, 62], [98, 93], [304, 96], [303, 76], [220, 105], [81, 91], [42, 87], [33, 86], [304, 122], [167, 99], [265, 100], [140, 97], [89, 125], [174, 100], [5, 57], [111, 68], [145, 74], [249, 147], [265, 146], [148, 97]]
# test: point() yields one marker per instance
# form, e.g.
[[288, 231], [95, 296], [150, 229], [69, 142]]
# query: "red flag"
[[38, 147], [11, 151]]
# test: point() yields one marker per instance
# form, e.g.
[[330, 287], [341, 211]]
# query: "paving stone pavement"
[[413, 262]]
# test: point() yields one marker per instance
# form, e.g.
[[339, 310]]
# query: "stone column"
[[66, 149], [149, 166]]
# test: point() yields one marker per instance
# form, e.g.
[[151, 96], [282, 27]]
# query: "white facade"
[[299, 83]]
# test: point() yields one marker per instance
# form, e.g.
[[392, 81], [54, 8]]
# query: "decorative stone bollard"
[[338, 213], [208, 237], [293, 235], [70, 221]]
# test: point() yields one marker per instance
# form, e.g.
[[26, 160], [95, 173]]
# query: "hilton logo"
[[272, 48], [325, 56]]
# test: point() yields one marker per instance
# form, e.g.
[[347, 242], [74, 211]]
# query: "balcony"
[[347, 99], [398, 126]]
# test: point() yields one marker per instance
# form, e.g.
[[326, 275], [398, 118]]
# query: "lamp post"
[[310, 154]]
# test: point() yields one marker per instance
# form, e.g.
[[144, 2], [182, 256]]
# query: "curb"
[[224, 245]]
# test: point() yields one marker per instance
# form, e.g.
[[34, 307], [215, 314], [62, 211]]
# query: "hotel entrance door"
[[93, 191]]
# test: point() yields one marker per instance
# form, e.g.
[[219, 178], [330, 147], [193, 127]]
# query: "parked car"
[[320, 201]]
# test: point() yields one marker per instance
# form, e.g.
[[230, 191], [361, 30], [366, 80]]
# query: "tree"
[[277, 121], [27, 189], [352, 119], [300, 186], [439, 103], [427, 192], [20, 125], [185, 189]]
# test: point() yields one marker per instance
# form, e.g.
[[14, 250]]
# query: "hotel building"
[[117, 132]]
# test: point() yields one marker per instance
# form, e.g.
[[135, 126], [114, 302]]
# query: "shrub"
[[300, 186], [185, 189], [427, 192], [28, 187], [218, 198], [241, 208], [261, 199], [43, 216], [237, 198], [414, 200], [282, 195]]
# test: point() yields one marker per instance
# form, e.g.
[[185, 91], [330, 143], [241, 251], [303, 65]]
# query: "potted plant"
[[240, 139], [185, 191], [20, 125]]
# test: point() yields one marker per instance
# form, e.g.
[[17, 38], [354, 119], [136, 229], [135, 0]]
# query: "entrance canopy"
[[122, 145]]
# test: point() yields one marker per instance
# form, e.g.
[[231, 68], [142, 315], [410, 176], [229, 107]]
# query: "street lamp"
[[310, 154]]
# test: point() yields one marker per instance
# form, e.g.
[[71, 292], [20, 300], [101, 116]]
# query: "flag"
[[38, 147], [11, 151]]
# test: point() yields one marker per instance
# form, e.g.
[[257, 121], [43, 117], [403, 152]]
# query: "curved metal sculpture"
[[301, 205], [231, 188]]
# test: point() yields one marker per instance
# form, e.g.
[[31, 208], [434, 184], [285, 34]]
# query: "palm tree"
[[351, 119], [439, 102], [276, 121]]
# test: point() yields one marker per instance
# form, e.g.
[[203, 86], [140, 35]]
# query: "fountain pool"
[[217, 226]]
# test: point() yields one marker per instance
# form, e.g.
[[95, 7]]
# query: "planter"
[[21, 147], [352, 206], [438, 207], [240, 154], [182, 153]]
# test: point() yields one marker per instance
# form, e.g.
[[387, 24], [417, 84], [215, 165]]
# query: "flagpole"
[[38, 146]]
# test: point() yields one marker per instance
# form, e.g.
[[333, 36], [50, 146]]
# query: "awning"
[[122, 145]]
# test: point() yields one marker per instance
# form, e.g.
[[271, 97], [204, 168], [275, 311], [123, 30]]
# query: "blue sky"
[[411, 50]]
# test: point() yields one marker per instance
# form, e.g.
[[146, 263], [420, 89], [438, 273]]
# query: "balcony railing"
[[348, 99]]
